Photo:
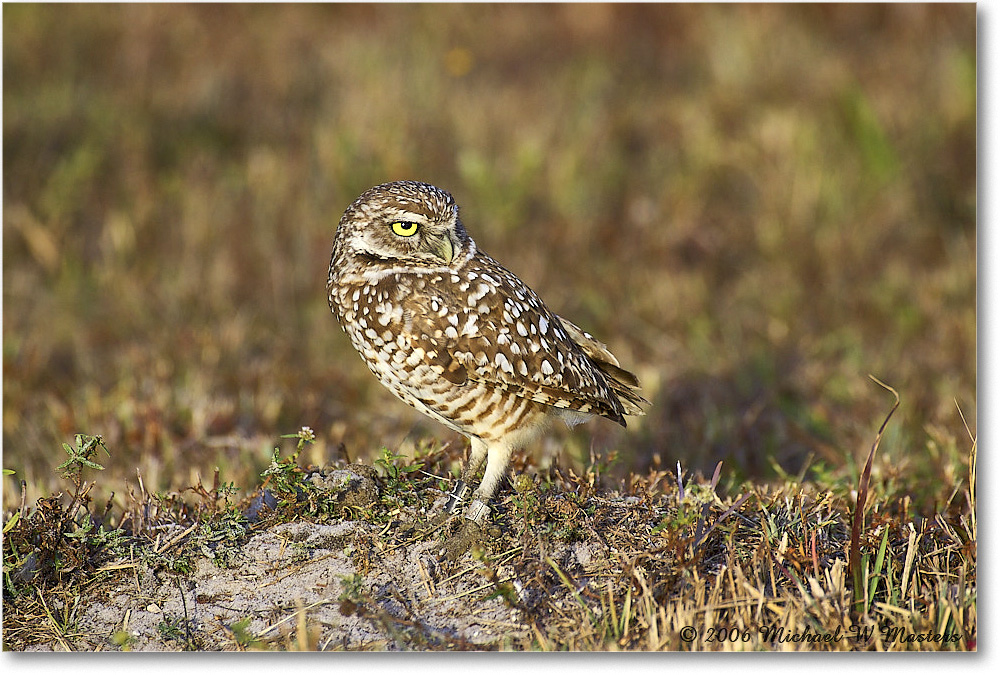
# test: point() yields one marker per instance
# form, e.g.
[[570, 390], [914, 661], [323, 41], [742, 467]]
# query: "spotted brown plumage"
[[457, 336]]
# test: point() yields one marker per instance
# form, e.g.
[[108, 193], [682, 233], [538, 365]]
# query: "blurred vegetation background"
[[755, 206]]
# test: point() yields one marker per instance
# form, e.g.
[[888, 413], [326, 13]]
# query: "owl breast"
[[406, 325]]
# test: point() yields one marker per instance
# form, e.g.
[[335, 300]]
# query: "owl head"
[[404, 223]]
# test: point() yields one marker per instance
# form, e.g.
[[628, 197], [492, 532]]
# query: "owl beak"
[[442, 248]]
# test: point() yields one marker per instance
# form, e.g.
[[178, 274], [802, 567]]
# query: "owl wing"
[[495, 330]]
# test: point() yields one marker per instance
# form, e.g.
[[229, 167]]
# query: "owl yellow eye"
[[405, 229]]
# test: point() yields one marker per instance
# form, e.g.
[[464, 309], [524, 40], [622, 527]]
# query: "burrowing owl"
[[451, 332]]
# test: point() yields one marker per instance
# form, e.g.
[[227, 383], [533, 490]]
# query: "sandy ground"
[[407, 596], [299, 567]]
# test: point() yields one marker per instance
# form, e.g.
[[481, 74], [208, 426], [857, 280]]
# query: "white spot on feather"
[[470, 326], [503, 364]]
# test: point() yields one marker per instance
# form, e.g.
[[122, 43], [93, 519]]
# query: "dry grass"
[[666, 563], [756, 206]]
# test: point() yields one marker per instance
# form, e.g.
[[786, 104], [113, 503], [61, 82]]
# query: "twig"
[[737, 504], [859, 507], [171, 542]]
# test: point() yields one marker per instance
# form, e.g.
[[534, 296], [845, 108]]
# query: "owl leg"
[[462, 489], [496, 466], [498, 457]]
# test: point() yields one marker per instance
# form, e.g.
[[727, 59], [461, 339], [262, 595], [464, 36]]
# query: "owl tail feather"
[[623, 383], [626, 387]]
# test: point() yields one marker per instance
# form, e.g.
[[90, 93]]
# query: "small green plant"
[[179, 563], [525, 500], [284, 476], [59, 539], [352, 597], [306, 437], [219, 537], [242, 635], [123, 640], [396, 467], [399, 487], [81, 457], [176, 630]]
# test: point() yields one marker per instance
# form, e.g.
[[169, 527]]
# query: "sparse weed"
[[242, 635]]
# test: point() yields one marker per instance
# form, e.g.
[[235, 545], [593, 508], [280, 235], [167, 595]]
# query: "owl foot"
[[459, 544], [475, 518]]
